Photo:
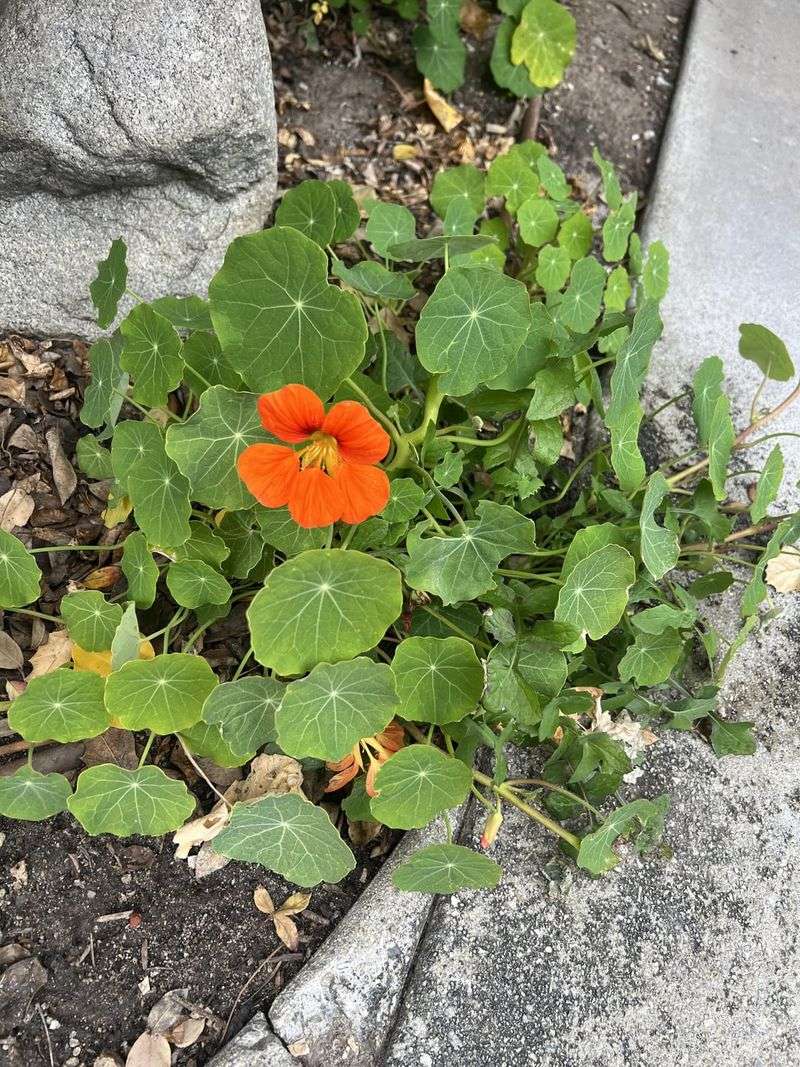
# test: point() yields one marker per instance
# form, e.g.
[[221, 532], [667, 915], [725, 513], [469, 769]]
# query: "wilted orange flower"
[[333, 476], [377, 749]]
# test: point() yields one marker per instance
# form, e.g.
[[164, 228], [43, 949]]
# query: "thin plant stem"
[[529, 576], [35, 614], [482, 442], [540, 783], [147, 747], [505, 793], [456, 629], [202, 773], [243, 663], [75, 548], [376, 412]]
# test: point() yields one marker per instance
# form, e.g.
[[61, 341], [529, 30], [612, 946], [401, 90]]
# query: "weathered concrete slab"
[[154, 122], [343, 1002], [697, 961]]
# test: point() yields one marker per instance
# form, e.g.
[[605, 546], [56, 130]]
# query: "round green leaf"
[[193, 582], [205, 544], [205, 447], [576, 235], [766, 350], [309, 207], [441, 59], [581, 303], [595, 594], [405, 502], [62, 706], [375, 280], [465, 184], [102, 400], [90, 619], [203, 739], [19, 573], [184, 312], [508, 75], [446, 869], [651, 657], [152, 355], [205, 364], [553, 267], [389, 224], [329, 711], [438, 680], [281, 531], [288, 835], [472, 327], [244, 711], [538, 221], [416, 784], [112, 800], [544, 41], [93, 458], [165, 694], [511, 177], [277, 317], [31, 796], [140, 569], [347, 214], [159, 491], [323, 606], [244, 542], [107, 288]]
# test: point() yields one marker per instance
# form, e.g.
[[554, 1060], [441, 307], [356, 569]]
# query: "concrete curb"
[[344, 1001]]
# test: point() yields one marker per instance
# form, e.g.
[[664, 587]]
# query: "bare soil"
[[343, 108]]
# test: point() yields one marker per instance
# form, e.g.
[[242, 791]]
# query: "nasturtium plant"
[[533, 44], [390, 508]]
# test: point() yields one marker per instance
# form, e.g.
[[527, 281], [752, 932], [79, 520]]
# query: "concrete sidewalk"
[[696, 961]]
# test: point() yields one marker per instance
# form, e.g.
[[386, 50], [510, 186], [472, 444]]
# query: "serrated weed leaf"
[[461, 564]]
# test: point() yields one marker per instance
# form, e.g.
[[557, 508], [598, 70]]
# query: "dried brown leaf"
[[101, 578], [149, 1050], [294, 904], [783, 572], [286, 929], [112, 746], [65, 478], [263, 901], [54, 653], [185, 1032], [449, 117], [208, 861], [402, 152], [13, 389], [11, 657], [475, 20], [198, 831], [16, 507], [269, 776]]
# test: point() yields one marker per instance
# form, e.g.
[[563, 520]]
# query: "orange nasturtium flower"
[[333, 476], [377, 749]]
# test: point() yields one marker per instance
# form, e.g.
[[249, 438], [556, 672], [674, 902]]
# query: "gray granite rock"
[[254, 1046], [151, 121], [343, 1002], [696, 961]]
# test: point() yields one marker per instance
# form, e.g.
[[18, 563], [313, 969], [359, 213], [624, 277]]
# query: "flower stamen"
[[321, 451]]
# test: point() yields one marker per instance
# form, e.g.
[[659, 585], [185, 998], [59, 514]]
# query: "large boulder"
[[152, 121]]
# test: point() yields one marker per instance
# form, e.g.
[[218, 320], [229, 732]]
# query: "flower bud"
[[492, 828]]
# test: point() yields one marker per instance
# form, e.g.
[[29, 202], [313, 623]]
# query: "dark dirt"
[[342, 111]]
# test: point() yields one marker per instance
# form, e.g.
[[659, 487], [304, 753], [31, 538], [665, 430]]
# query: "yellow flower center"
[[321, 451]]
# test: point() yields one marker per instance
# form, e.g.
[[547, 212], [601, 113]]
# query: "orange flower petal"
[[292, 413], [369, 783], [341, 778], [360, 438], [269, 471], [363, 491], [314, 500]]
